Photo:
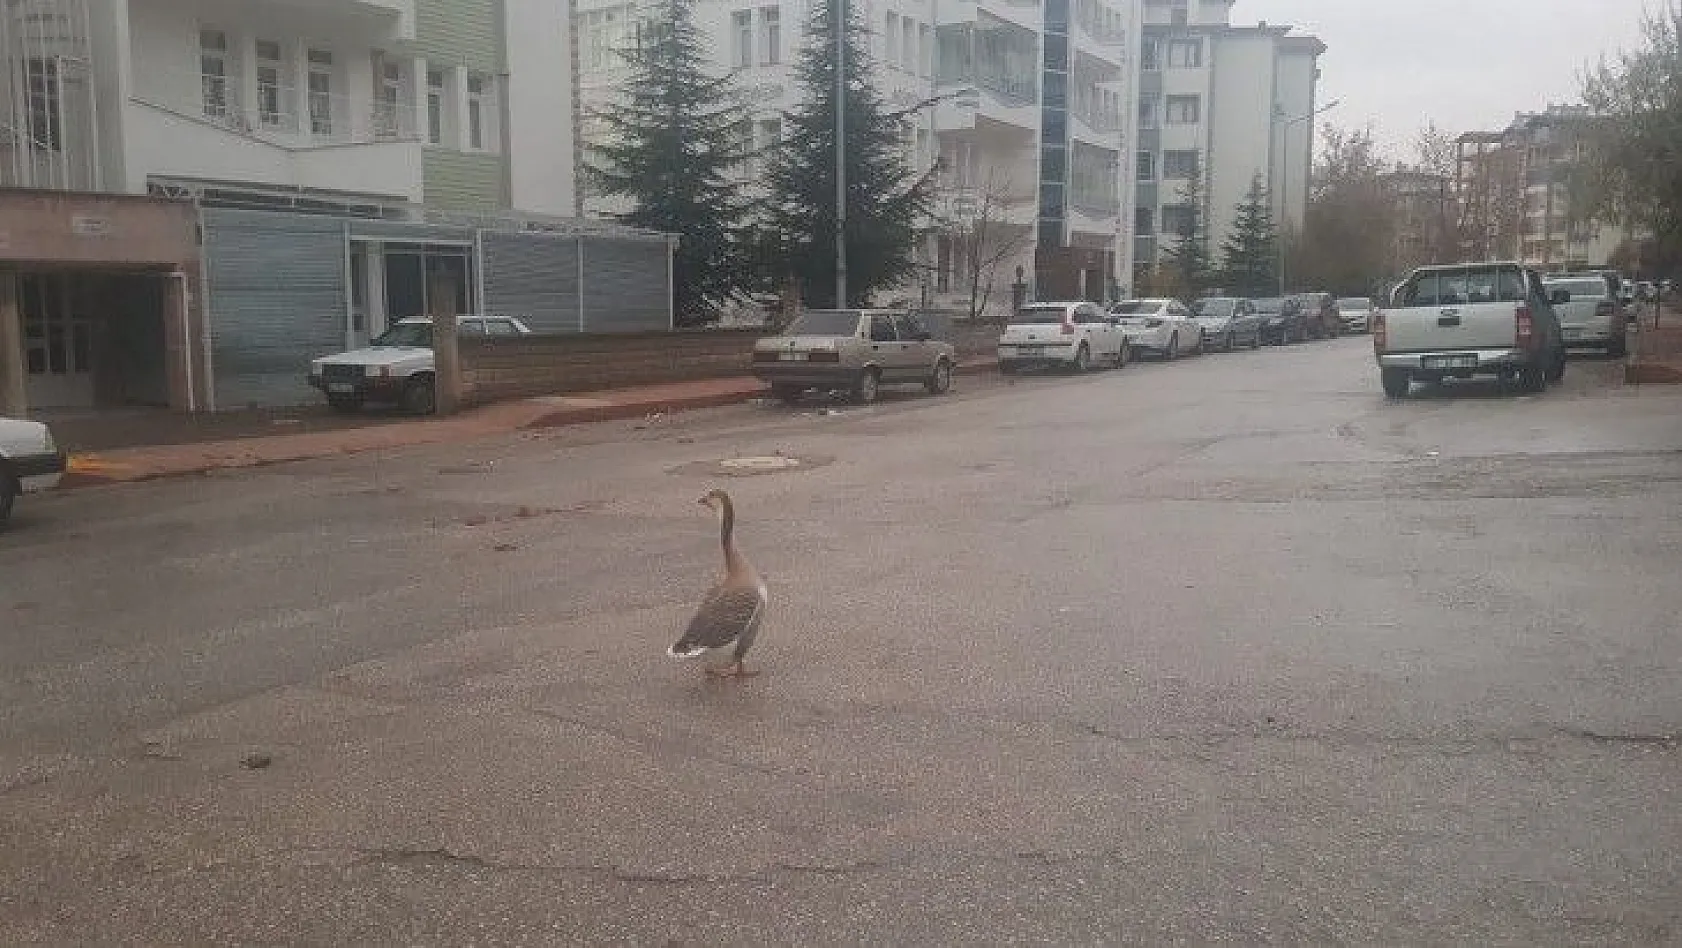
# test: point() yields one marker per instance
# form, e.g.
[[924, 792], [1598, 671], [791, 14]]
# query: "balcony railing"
[[290, 117]]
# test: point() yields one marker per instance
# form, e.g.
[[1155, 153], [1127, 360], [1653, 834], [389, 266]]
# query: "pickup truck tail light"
[[1378, 333], [1068, 328], [1526, 327]]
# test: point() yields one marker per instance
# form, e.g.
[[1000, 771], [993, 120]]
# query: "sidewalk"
[[1656, 356], [553, 411]]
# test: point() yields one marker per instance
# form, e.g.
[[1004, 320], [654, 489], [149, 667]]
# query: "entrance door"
[[57, 343]]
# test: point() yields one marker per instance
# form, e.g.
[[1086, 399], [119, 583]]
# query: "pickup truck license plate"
[[1450, 362], [791, 356], [340, 388]]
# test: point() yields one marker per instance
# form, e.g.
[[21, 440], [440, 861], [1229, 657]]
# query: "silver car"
[[1593, 317], [1227, 322], [856, 350]]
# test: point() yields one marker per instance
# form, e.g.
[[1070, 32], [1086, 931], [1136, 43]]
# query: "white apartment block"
[[342, 164], [1228, 101], [1040, 141]]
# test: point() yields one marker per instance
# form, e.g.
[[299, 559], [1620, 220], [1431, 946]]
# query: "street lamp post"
[[1285, 174], [840, 25]]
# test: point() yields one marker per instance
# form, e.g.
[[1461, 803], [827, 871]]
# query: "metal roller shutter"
[[534, 277], [627, 285], [275, 288]]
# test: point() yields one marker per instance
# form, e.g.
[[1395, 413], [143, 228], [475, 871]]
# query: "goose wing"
[[726, 613]]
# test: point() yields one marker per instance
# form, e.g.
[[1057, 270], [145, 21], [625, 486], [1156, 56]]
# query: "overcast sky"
[[1468, 64]]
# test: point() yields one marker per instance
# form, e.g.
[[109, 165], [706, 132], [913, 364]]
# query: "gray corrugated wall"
[[276, 296], [627, 285], [534, 277]]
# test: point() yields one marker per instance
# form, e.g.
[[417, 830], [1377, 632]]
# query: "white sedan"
[[1076, 335], [29, 461], [1162, 326]]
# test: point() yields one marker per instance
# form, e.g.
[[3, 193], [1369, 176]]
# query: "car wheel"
[[9, 490], [1533, 379], [1231, 341], [1618, 347], [1083, 358], [345, 404], [420, 396], [787, 394], [1396, 382], [867, 387], [941, 381], [1123, 355], [1007, 367], [1173, 351], [1255, 340]]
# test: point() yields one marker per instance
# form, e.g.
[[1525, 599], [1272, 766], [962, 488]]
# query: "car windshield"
[[1038, 315], [1136, 308], [1354, 302], [416, 335], [1214, 307], [1589, 288], [1269, 305], [825, 322]]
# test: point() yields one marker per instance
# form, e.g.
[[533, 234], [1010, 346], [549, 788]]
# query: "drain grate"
[[750, 465]]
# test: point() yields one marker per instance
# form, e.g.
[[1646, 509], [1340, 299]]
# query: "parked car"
[[1462, 320], [1227, 321], [853, 350], [1075, 335], [1356, 313], [1591, 315], [1164, 327], [30, 461], [1281, 320], [397, 366], [1319, 315]]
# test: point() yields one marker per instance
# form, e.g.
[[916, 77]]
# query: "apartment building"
[[1030, 125], [341, 163], [1513, 192], [1227, 103]]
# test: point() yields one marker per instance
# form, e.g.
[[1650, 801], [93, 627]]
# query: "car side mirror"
[[1559, 296]]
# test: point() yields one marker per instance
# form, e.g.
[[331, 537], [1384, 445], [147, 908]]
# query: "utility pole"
[[839, 16]]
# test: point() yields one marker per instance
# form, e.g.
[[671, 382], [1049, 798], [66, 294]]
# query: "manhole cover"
[[773, 462], [752, 464]]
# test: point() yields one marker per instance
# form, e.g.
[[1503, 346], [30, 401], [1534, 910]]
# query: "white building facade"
[[1226, 102], [352, 162]]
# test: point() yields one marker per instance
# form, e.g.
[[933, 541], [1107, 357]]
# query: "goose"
[[730, 615]]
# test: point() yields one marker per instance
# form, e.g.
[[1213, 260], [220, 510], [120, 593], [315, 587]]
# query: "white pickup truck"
[[1462, 320]]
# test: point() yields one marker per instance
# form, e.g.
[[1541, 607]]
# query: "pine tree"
[[1251, 252], [1188, 260], [672, 149], [887, 200]]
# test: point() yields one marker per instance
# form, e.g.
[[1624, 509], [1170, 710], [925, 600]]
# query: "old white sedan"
[[1164, 327]]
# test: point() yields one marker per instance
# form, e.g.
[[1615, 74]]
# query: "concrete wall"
[[549, 365]]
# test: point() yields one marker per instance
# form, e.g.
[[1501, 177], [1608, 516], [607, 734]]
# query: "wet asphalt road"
[[1228, 650]]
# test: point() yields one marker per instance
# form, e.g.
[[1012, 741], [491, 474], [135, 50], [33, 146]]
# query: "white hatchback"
[[1074, 335], [1162, 326]]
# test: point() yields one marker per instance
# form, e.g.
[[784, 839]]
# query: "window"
[[269, 71], [46, 118], [1179, 219], [908, 48], [604, 33], [1184, 110], [891, 36], [741, 38], [1185, 54], [321, 92], [770, 36], [1147, 166], [1150, 57], [478, 106], [1144, 221], [388, 96], [1179, 164], [435, 106], [1147, 114], [213, 72], [925, 51], [882, 329]]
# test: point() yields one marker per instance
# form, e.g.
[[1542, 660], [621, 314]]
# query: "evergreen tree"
[[672, 149], [1251, 252], [887, 200], [1188, 260]]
